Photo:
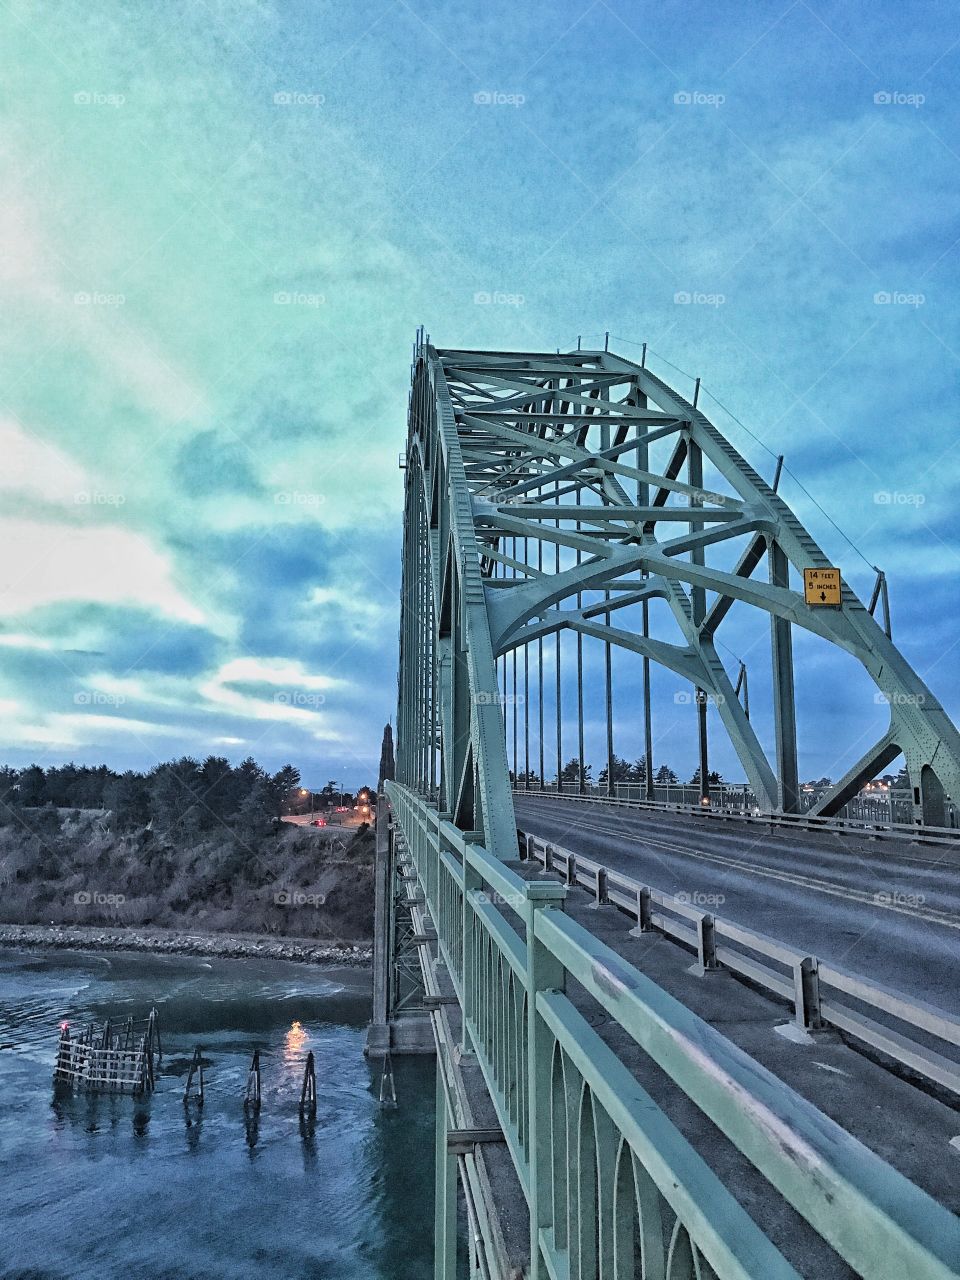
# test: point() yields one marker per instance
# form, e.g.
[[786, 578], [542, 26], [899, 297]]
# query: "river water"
[[112, 1186]]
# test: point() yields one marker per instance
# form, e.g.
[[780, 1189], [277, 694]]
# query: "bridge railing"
[[613, 1188], [808, 983]]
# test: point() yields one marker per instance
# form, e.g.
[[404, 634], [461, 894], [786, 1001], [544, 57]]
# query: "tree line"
[[622, 771], [183, 797]]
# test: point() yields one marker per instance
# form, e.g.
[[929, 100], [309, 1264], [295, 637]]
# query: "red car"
[[319, 822]]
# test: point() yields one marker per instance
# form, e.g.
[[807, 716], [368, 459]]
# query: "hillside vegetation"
[[243, 875]]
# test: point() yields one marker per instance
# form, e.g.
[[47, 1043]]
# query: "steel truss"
[[533, 506]]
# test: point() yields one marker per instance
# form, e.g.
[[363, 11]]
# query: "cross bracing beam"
[[536, 505]]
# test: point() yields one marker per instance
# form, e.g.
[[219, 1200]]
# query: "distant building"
[[388, 766]]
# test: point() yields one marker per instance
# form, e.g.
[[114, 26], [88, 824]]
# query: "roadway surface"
[[890, 913], [332, 822]]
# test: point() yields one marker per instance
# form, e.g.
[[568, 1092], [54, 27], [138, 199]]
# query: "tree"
[[88, 787], [571, 772], [9, 794], [638, 770], [219, 792], [174, 797], [254, 817], [61, 785], [279, 787], [33, 790], [128, 799], [248, 774], [713, 778], [622, 771], [331, 791], [666, 777]]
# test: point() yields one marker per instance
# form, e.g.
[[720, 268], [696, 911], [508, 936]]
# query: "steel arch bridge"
[[550, 493], [547, 493]]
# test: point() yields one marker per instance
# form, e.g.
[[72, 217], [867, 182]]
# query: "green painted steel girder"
[[526, 448]]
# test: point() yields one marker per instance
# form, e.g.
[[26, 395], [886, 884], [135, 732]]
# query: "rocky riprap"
[[164, 941]]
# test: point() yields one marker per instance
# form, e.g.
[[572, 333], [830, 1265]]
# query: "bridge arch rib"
[[534, 504]]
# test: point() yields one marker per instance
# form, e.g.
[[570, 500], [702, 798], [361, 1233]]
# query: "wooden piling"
[[63, 1071], [252, 1098], [388, 1088], [308, 1094], [196, 1068]]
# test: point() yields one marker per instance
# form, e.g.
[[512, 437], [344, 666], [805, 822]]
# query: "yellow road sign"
[[821, 587]]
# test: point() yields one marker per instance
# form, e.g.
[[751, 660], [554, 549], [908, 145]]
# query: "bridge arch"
[[537, 501]]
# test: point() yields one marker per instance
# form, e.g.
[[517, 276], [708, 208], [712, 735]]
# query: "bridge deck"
[[890, 910]]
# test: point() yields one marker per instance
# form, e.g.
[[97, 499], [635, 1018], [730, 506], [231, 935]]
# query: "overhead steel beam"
[[509, 453]]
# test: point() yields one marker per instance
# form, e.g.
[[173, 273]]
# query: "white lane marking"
[[930, 914]]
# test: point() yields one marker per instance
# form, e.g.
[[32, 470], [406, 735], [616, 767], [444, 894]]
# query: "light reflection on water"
[[294, 1042], [107, 1186]]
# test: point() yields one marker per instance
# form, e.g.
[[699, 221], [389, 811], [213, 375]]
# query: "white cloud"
[[34, 467], [43, 563], [298, 699], [276, 671]]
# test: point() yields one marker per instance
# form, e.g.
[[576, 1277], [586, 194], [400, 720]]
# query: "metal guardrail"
[[796, 821], [591, 1148], [803, 980]]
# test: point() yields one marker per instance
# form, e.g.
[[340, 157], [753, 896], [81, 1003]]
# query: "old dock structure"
[[104, 1060]]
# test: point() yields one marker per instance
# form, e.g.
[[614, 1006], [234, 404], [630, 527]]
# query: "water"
[[106, 1186]]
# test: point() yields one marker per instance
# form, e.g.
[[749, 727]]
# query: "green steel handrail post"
[[544, 973], [432, 835], [445, 1218], [468, 977]]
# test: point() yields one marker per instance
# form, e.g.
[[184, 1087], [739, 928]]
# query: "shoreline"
[[226, 946]]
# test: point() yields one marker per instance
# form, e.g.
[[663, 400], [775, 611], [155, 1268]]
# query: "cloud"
[[213, 463], [35, 469], [43, 563]]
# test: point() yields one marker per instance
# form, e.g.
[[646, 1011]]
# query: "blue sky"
[[222, 223]]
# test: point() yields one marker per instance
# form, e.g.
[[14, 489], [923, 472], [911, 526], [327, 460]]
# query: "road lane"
[[891, 915]]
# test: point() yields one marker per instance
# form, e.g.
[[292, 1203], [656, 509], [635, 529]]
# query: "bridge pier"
[[401, 1019]]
